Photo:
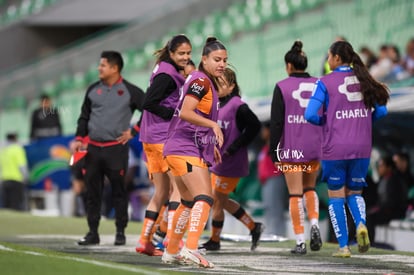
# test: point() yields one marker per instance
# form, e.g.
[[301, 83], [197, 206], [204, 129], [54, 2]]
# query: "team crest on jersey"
[[304, 88], [99, 91], [347, 88], [120, 92]]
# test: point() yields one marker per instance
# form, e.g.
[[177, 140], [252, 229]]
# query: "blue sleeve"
[[317, 100], [379, 112]]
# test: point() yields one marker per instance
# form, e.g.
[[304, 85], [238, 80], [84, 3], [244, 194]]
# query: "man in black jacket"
[[45, 120], [103, 126]]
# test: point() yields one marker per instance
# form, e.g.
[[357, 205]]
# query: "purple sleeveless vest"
[[154, 128], [187, 139], [301, 141], [236, 165], [348, 127]]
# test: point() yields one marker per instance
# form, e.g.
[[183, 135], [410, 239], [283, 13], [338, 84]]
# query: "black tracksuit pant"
[[112, 162]]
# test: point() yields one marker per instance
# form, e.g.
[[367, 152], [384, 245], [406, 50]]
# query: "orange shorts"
[[155, 160], [181, 165], [292, 167], [222, 184]]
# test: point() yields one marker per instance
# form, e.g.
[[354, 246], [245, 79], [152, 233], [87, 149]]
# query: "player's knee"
[[354, 186], [188, 204], [205, 198], [335, 185]]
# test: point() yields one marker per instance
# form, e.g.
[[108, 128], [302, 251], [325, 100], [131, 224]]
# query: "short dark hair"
[[11, 136], [114, 58], [403, 155], [387, 160], [44, 97]]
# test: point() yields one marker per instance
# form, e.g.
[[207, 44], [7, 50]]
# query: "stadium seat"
[[91, 74], [236, 13], [66, 82], [69, 108], [149, 49], [79, 80], [14, 121], [26, 7], [15, 103], [38, 5], [266, 10], [12, 13], [18, 11], [50, 88], [283, 9]]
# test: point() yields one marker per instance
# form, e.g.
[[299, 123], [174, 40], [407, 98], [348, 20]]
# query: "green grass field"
[[47, 245]]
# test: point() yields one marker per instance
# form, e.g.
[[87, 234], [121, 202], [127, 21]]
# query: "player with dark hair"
[[240, 126], [295, 146], [351, 100], [191, 147], [160, 102]]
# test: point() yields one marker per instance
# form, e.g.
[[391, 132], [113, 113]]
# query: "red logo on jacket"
[[120, 92]]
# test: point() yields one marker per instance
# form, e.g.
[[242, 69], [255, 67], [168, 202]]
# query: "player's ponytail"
[[373, 92]]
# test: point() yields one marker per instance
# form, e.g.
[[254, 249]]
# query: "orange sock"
[[297, 214], [148, 225], [172, 207], [312, 204], [198, 219], [245, 218], [216, 228], [164, 221], [157, 222], [179, 225]]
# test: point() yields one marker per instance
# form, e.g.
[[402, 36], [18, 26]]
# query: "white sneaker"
[[195, 257], [168, 258]]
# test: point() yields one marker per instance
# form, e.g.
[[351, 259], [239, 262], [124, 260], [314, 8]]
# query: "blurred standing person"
[[367, 56], [191, 148], [45, 121], [160, 102], [296, 146], [392, 197], [381, 69], [14, 174], [104, 121], [240, 126], [351, 100], [274, 191], [402, 164], [397, 70], [408, 58]]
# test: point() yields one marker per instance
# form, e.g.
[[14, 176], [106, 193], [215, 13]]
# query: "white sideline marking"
[[94, 262], [5, 248]]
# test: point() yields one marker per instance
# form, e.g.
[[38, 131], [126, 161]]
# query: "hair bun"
[[211, 39], [297, 46]]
